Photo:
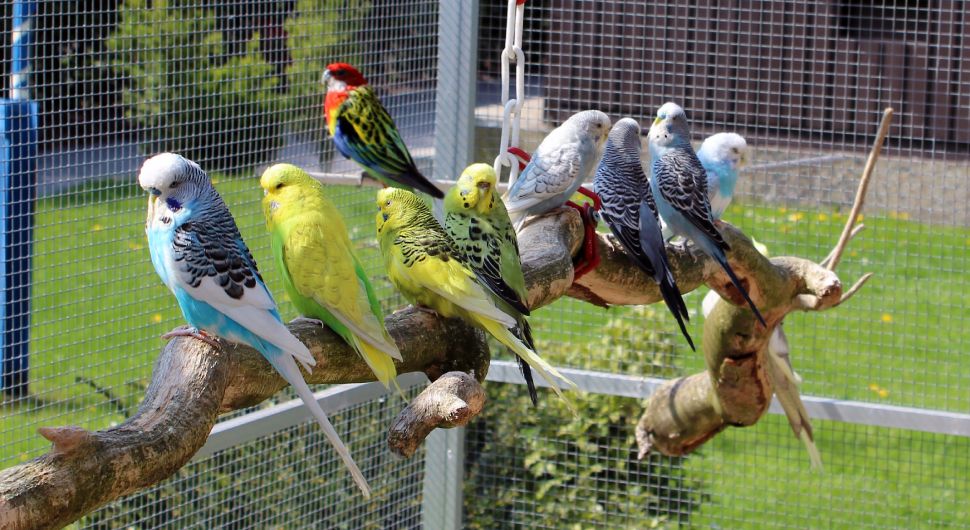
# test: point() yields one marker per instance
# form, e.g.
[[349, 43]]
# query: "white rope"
[[511, 116]]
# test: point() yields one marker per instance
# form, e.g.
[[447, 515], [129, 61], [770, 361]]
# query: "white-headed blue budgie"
[[629, 210], [198, 252], [722, 155], [566, 156], [679, 184]]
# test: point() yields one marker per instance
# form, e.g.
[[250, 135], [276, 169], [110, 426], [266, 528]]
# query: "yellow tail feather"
[[544, 369], [380, 363]]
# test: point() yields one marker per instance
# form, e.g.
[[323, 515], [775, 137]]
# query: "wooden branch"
[[192, 384], [860, 195], [451, 401]]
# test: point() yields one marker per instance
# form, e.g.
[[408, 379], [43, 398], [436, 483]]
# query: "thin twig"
[[855, 288], [860, 196], [855, 231]]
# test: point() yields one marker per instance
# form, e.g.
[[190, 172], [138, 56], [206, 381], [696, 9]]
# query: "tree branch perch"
[[193, 383]]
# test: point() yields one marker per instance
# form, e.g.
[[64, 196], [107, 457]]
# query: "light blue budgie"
[[566, 156], [722, 155], [629, 209], [679, 184], [199, 254]]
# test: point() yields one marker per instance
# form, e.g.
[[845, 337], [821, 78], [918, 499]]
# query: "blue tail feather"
[[721, 259]]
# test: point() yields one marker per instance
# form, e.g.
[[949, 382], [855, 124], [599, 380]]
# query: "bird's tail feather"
[[654, 253], [675, 302], [524, 333], [415, 179], [723, 262], [545, 370], [380, 363], [286, 366]]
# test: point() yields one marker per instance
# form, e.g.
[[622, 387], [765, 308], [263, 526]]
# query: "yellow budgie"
[[321, 272], [424, 264]]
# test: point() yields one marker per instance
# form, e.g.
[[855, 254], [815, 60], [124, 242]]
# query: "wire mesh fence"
[[235, 85], [805, 83]]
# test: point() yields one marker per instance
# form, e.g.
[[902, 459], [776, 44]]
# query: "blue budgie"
[[679, 184], [198, 252], [566, 156], [722, 155], [629, 209]]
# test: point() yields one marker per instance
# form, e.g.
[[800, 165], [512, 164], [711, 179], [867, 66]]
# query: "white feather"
[[291, 373]]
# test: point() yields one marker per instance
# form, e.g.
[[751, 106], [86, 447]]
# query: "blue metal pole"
[[18, 180]]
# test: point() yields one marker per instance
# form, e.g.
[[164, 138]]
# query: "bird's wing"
[[549, 174], [682, 181], [323, 268], [214, 266], [444, 273], [368, 130], [489, 251], [620, 184]]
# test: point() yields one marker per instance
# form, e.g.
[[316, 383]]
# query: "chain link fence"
[[235, 85]]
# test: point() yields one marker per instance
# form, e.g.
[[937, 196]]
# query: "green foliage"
[[548, 468], [187, 94]]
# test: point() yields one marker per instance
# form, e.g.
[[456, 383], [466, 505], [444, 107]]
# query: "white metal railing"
[[846, 411]]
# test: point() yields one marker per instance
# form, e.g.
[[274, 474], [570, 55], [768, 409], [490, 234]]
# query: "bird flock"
[[467, 266]]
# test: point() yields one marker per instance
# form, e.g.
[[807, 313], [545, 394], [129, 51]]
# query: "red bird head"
[[342, 74]]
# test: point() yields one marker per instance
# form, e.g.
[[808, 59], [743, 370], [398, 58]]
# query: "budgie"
[[629, 210], [476, 220], [722, 155], [566, 156], [321, 272], [364, 132], [424, 264], [199, 254], [679, 185]]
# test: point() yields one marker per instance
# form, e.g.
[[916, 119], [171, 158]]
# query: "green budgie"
[[423, 263], [321, 273], [476, 219]]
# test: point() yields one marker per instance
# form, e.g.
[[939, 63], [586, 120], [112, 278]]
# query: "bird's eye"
[[388, 203], [340, 72], [280, 185], [174, 185]]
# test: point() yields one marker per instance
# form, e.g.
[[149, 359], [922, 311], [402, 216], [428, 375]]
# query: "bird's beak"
[[657, 120], [484, 186], [385, 217], [325, 79]]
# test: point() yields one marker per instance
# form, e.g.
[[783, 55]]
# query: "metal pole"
[[18, 179], [444, 467]]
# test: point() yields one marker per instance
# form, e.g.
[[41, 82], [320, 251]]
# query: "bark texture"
[[192, 383]]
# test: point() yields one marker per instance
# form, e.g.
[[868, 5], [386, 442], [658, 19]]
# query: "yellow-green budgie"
[[478, 223], [423, 262], [321, 272]]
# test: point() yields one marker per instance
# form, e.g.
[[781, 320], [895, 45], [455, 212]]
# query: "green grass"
[[899, 341], [98, 309]]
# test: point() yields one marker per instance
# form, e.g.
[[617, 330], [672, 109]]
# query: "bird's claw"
[[424, 309], [308, 320], [189, 331]]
